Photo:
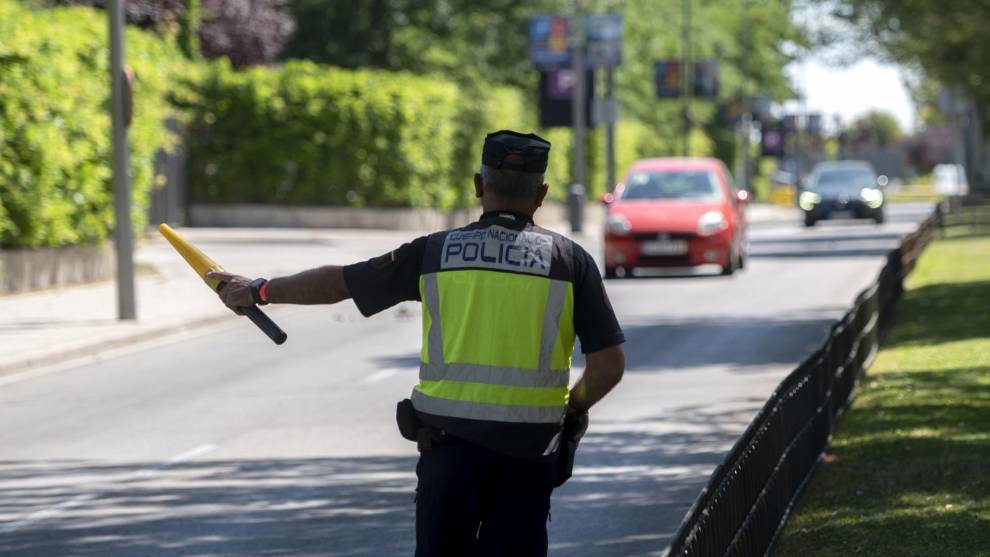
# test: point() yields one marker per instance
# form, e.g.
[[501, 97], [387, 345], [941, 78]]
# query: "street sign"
[[729, 112], [814, 123], [790, 122], [705, 79], [556, 92], [667, 75], [772, 143], [604, 111], [604, 40], [761, 107], [548, 42]]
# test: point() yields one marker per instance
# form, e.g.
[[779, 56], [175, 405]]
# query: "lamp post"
[[123, 229]]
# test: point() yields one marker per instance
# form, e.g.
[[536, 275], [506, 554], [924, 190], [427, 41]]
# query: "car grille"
[[650, 236], [839, 205], [664, 260]]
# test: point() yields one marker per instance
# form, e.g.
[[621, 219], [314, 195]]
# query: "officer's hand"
[[235, 292], [575, 425]]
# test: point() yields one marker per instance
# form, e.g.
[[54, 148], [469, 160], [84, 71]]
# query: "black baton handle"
[[261, 320], [265, 323]]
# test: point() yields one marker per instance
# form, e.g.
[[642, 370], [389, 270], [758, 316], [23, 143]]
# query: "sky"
[[850, 91]]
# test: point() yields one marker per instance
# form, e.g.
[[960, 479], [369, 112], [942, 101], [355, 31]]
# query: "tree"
[[467, 39], [947, 40], [160, 15], [248, 32], [188, 36], [876, 128], [485, 43]]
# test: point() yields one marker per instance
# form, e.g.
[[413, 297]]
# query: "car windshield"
[[844, 179], [691, 185]]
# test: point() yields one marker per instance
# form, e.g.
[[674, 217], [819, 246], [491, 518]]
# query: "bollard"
[[575, 206]]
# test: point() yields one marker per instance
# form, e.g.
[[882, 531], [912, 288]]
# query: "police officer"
[[503, 301]]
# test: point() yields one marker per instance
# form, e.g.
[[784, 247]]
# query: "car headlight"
[[872, 196], [808, 200], [711, 222], [618, 224]]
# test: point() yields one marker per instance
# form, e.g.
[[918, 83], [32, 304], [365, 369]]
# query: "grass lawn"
[[908, 472]]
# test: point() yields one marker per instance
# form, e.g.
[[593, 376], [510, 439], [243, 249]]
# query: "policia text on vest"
[[504, 303], [498, 248]]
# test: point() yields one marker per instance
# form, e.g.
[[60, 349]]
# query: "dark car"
[[843, 190]]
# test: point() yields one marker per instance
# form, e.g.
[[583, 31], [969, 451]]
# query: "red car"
[[675, 213]]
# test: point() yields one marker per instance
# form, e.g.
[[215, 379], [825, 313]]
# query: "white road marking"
[[59, 508], [182, 457]]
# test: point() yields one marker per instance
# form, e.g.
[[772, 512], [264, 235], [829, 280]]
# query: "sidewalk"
[[49, 327]]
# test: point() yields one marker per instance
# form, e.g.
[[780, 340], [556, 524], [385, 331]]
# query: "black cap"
[[511, 150]]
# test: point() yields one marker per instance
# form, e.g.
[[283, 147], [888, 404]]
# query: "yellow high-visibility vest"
[[498, 327]]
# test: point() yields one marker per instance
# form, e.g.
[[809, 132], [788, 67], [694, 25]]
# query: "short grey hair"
[[511, 183]]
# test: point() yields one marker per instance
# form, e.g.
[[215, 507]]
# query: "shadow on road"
[[673, 344], [742, 342], [808, 239], [825, 243], [360, 506], [633, 483]]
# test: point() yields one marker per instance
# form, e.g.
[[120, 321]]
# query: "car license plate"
[[665, 247], [841, 215]]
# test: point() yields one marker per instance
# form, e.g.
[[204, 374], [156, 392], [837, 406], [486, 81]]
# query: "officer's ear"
[[541, 193], [479, 185]]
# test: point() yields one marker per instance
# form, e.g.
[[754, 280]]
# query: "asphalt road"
[[218, 443]]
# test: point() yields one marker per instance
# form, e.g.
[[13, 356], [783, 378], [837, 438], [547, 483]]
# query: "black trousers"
[[472, 502]]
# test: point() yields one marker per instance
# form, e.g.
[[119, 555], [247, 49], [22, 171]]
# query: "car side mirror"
[[607, 198], [742, 196]]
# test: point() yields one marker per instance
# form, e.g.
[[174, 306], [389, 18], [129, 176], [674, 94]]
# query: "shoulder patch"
[[382, 261]]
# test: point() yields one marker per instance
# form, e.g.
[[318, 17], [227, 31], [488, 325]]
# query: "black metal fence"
[[748, 497]]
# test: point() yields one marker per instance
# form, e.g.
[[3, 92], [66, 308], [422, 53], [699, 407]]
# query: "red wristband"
[[263, 292]]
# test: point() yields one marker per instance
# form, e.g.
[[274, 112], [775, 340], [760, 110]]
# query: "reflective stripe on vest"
[[496, 346]]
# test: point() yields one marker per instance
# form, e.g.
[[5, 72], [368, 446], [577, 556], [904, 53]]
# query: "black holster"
[[409, 423], [413, 428]]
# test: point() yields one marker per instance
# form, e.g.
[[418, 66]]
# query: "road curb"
[[61, 356]]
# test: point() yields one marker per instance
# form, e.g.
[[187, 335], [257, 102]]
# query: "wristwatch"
[[259, 291]]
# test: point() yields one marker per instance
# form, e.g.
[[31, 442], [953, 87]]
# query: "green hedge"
[[55, 149], [298, 134], [310, 134]]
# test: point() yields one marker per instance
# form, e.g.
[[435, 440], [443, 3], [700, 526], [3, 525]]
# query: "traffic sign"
[[772, 142], [667, 76], [556, 98], [548, 42], [705, 79], [604, 111], [604, 33]]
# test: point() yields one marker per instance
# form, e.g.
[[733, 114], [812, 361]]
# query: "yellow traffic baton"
[[202, 264]]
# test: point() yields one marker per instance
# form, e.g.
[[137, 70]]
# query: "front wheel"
[[730, 267], [610, 273], [809, 221], [879, 218]]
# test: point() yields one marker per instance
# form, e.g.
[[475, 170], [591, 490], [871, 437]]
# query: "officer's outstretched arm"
[[602, 372], [322, 285]]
